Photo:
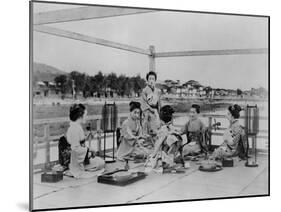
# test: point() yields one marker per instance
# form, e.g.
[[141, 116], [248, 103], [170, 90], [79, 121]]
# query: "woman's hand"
[[89, 135], [92, 154]]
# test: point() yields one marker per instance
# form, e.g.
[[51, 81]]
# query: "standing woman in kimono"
[[235, 141], [131, 135], [151, 105]]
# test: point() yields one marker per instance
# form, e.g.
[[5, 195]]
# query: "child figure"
[[81, 161], [132, 138], [151, 105], [194, 130]]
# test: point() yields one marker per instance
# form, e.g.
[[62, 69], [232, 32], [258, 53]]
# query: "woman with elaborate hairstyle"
[[151, 105], [81, 159], [168, 141], [132, 137], [194, 130], [235, 142]]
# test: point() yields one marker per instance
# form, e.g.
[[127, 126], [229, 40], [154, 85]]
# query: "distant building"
[[190, 88], [45, 89], [193, 88], [260, 92]]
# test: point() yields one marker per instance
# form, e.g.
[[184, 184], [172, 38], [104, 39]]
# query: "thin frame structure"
[[37, 22], [83, 13], [89, 39]]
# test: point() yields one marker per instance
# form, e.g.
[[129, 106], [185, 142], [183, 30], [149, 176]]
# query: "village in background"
[[52, 83], [105, 82]]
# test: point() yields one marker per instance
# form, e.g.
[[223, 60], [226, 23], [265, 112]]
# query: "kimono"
[[167, 147], [235, 142], [130, 140], [150, 103], [64, 152], [194, 131], [80, 162]]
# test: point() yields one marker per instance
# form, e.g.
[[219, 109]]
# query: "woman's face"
[[151, 80], [135, 114], [84, 117], [192, 113], [228, 116]]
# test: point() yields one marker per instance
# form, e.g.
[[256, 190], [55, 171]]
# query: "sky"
[[167, 31]]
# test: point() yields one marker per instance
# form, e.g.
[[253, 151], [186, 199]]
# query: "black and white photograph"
[[137, 105]]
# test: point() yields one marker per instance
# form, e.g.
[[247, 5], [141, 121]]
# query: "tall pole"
[[73, 89], [152, 58]]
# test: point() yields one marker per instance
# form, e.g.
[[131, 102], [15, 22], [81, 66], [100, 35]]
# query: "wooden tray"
[[218, 168], [227, 162], [51, 177], [108, 178]]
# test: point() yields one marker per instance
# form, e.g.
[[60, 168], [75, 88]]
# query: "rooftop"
[[193, 184]]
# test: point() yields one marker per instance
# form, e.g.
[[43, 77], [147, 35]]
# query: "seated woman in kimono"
[[194, 130], [81, 161], [168, 141], [132, 138], [235, 142]]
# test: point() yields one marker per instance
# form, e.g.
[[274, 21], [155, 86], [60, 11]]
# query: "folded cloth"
[[171, 139]]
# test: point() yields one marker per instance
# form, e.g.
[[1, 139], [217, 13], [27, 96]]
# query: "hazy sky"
[[167, 31]]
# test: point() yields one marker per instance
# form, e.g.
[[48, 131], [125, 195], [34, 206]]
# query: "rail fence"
[[47, 141]]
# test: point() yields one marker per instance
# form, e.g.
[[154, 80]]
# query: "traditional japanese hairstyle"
[[134, 105], [166, 113], [76, 111], [196, 107], [151, 73], [235, 111]]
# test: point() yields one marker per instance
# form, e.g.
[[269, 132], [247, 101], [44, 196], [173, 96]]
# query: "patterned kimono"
[[235, 142], [150, 102], [167, 146], [64, 152], [194, 130], [131, 144]]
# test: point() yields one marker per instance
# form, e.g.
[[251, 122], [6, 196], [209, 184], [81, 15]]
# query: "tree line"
[[99, 84]]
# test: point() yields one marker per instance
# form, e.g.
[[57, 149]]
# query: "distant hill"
[[43, 72]]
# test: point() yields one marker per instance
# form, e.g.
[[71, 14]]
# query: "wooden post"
[[98, 124], [99, 136], [113, 144], [152, 58], [99, 142], [47, 142], [118, 122], [35, 149], [255, 147], [210, 128], [73, 89]]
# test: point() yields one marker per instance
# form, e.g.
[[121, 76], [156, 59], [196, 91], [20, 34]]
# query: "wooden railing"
[[47, 141]]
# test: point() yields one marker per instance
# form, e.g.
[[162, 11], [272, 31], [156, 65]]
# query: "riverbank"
[[49, 111]]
